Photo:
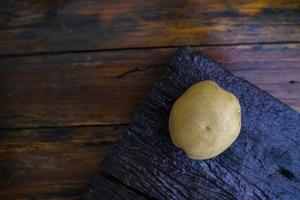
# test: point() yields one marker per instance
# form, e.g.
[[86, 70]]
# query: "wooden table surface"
[[72, 74]]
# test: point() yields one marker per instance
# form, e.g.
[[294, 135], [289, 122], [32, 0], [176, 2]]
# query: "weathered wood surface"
[[262, 164], [106, 87], [88, 87], [55, 26], [106, 188], [55, 163]]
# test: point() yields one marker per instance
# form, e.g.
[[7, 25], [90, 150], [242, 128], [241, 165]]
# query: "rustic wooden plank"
[[106, 87], [52, 26], [105, 188], [52, 163], [262, 164]]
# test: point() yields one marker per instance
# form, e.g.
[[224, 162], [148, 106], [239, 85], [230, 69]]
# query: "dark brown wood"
[[62, 25], [83, 87], [263, 163], [56, 163], [106, 87]]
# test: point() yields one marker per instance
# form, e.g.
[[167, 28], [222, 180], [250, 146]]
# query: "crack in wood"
[[138, 69]]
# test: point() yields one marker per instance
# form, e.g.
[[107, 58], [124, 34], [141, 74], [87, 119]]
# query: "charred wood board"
[[105, 188], [264, 162]]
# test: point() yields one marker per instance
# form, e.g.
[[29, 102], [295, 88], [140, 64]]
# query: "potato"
[[205, 120]]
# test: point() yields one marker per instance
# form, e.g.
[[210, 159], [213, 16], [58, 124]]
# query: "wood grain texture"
[[263, 163], [52, 76], [55, 163], [106, 87], [106, 188], [62, 25]]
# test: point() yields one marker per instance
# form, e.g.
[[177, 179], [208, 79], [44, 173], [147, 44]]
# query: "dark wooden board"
[[102, 88], [105, 188], [52, 75], [262, 164], [54, 26], [52, 163]]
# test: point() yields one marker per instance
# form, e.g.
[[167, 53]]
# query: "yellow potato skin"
[[205, 120]]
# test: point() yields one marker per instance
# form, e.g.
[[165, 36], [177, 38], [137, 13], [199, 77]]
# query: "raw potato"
[[205, 120]]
